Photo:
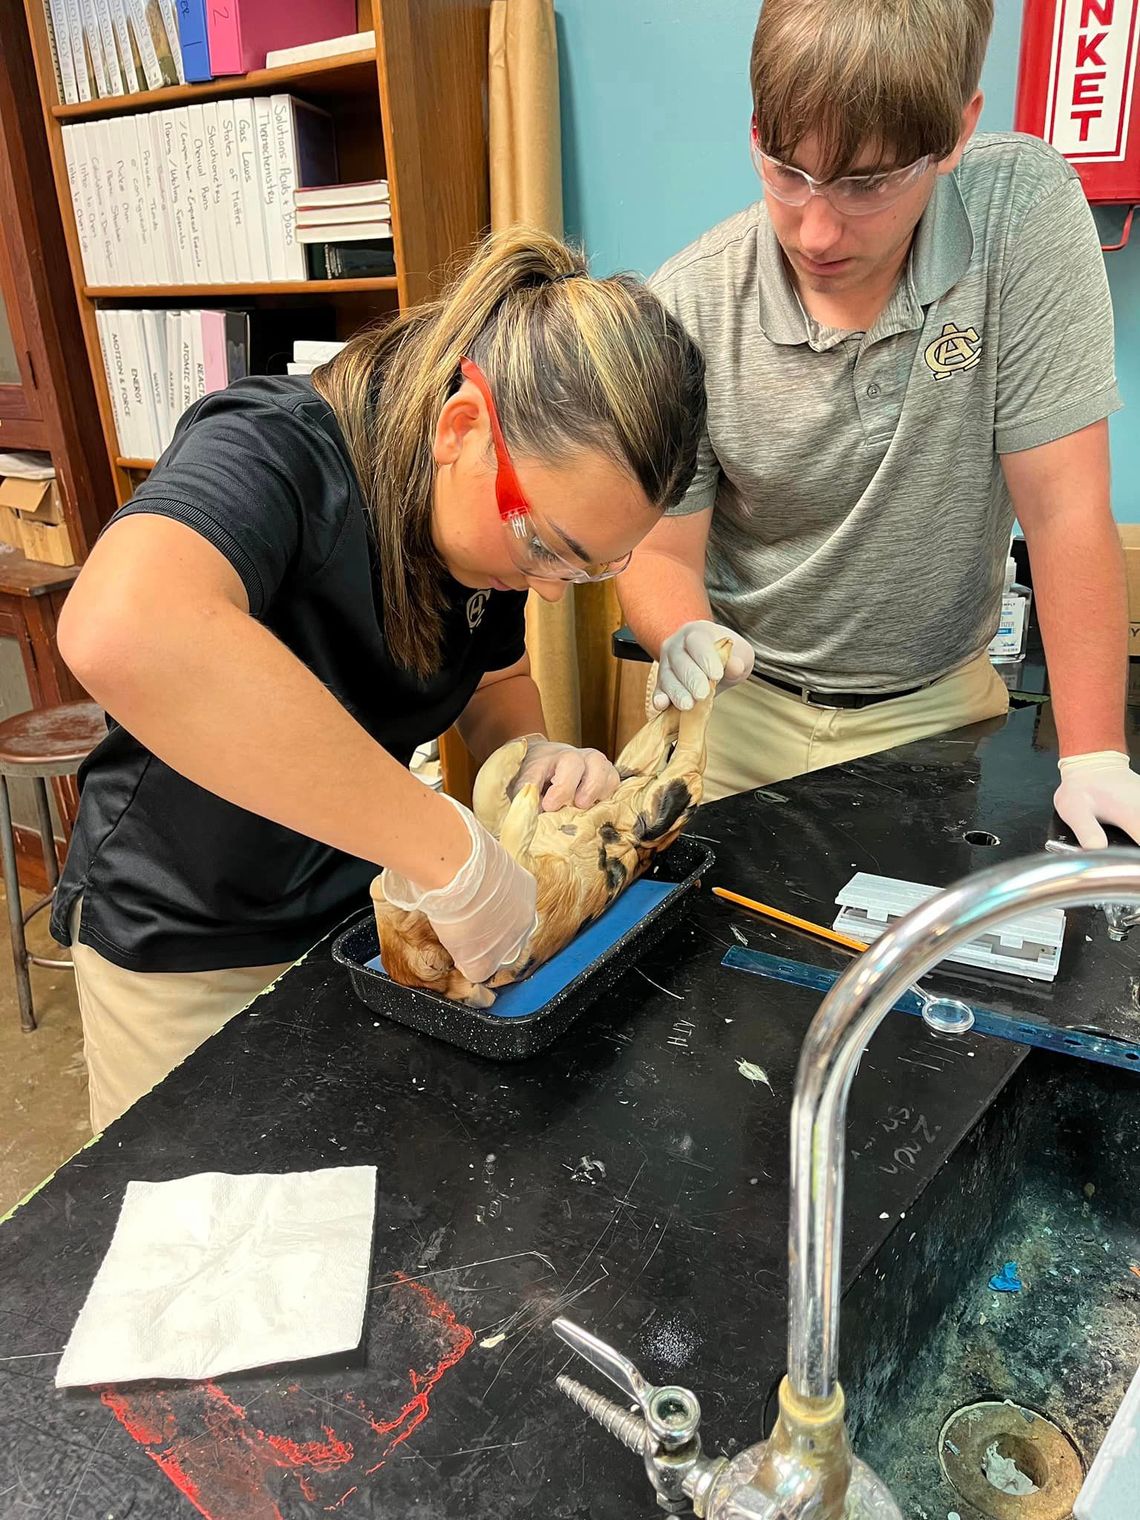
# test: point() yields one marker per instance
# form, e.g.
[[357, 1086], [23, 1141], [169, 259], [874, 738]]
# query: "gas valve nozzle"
[[664, 1429]]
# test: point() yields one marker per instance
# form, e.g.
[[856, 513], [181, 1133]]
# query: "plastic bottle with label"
[[1008, 644]]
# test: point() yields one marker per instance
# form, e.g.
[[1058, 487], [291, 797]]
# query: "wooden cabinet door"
[[21, 416]]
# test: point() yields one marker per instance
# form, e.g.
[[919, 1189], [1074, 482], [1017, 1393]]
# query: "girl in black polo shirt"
[[317, 577]]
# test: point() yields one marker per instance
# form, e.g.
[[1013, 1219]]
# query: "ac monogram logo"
[[956, 349]]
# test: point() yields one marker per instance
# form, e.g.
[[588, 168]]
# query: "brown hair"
[[891, 75], [574, 363]]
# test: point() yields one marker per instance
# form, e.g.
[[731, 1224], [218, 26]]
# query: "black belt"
[[843, 699]]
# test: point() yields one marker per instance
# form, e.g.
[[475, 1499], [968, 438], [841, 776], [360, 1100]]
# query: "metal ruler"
[[1105, 1049]]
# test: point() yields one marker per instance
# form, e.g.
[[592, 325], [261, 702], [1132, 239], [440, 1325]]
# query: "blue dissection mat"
[[524, 998]]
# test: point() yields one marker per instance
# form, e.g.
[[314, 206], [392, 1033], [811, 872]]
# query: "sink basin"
[[984, 1403]]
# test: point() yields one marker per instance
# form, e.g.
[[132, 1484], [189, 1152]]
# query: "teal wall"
[[655, 113]]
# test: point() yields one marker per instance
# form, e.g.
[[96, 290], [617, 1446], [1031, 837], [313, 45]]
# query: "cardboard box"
[[35, 499], [31, 518], [50, 543], [1130, 538], [10, 528]]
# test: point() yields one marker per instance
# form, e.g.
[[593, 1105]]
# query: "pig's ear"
[[490, 798]]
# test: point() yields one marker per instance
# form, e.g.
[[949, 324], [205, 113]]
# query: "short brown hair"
[[889, 75]]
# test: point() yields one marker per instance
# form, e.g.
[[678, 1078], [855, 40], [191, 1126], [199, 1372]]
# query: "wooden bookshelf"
[[151, 294], [411, 110], [348, 74]]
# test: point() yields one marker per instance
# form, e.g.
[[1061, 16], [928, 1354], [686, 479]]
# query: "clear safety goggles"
[[532, 547], [851, 195]]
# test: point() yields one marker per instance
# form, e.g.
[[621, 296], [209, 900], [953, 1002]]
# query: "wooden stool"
[[48, 741]]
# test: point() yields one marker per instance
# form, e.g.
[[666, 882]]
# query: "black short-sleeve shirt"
[[172, 877]]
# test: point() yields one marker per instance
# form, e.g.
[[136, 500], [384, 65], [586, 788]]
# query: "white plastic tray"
[[1027, 946]]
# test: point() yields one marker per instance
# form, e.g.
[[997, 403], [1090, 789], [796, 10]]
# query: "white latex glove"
[[689, 663], [484, 916], [565, 776], [1096, 789]]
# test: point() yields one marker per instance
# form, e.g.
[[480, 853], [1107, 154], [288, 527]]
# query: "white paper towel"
[[216, 1273]]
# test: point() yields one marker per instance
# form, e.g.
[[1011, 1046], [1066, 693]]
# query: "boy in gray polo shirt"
[[908, 342]]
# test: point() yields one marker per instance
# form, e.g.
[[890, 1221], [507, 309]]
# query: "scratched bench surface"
[[632, 1177]]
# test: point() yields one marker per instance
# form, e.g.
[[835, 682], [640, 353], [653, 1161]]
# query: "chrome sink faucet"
[[806, 1470], [1120, 919], [1118, 916]]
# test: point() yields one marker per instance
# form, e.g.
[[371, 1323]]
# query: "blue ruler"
[[1021, 1031]]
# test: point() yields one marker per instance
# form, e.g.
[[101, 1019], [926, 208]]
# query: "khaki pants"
[[759, 734], [140, 1025]]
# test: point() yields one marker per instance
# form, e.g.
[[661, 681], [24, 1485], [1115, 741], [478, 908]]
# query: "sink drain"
[[1009, 1462]]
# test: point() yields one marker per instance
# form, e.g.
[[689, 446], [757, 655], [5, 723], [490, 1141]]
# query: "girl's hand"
[[565, 776], [485, 915]]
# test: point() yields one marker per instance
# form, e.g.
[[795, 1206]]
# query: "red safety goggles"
[[532, 545]]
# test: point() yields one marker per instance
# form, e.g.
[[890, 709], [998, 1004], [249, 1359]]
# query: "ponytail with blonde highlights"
[[575, 364]]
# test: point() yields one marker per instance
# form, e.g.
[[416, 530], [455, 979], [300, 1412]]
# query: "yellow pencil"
[[790, 918]]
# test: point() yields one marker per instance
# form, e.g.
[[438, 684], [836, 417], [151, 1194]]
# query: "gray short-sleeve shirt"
[[860, 514]]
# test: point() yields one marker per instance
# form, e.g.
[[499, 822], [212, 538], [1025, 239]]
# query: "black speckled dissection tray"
[[483, 1032]]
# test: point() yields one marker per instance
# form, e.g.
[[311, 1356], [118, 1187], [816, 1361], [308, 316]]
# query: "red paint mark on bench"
[[229, 1467]]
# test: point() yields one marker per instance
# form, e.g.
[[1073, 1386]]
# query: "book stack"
[[102, 48], [196, 195], [346, 228], [330, 47], [242, 32], [310, 353], [159, 363]]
